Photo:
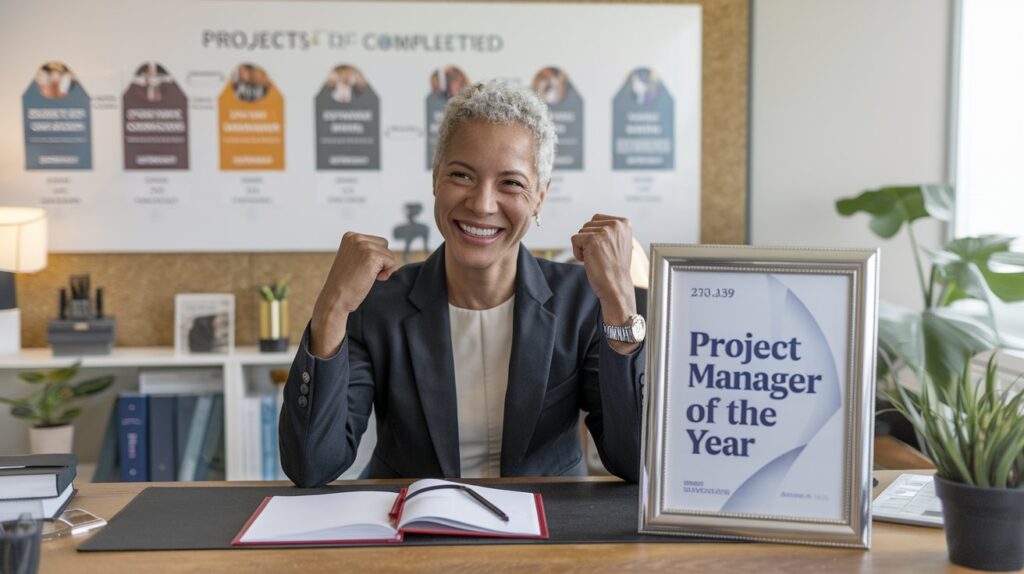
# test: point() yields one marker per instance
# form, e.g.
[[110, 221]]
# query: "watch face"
[[639, 328]]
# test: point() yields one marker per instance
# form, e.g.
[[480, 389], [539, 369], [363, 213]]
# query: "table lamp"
[[22, 250]]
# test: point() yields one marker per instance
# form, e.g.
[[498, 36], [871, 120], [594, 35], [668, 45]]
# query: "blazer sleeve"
[[612, 393], [327, 404]]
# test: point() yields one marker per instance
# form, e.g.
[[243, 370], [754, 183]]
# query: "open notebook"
[[367, 517]]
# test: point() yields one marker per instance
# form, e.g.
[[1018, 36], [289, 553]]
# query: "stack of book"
[[171, 430], [39, 485]]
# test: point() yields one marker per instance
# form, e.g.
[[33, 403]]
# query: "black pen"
[[476, 496]]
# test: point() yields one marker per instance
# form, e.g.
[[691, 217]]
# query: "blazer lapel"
[[430, 350], [533, 340]]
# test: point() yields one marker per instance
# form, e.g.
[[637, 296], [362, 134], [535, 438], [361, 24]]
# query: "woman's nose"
[[483, 198]]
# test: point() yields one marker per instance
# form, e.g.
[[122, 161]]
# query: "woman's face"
[[486, 192]]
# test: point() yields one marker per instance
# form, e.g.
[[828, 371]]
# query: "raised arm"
[[612, 370], [329, 393]]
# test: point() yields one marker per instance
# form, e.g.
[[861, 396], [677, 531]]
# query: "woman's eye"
[[460, 175]]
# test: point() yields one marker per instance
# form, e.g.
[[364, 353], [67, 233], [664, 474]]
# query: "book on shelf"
[[46, 508], [184, 410], [133, 421], [210, 464], [194, 440], [270, 412], [36, 476], [427, 506], [162, 464]]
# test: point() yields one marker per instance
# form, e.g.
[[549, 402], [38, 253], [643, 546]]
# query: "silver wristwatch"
[[633, 331]]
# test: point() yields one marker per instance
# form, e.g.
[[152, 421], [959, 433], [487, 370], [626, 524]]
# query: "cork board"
[[140, 288]]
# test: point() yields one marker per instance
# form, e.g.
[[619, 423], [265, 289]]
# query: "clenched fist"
[[605, 246], [361, 260]]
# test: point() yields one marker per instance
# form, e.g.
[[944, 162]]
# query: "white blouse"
[[481, 348]]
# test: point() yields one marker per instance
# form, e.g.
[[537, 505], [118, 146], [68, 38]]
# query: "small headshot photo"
[[204, 323], [250, 82], [148, 82], [54, 80], [551, 84], [448, 81], [345, 83], [644, 85]]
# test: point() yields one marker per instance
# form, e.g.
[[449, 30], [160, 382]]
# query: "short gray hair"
[[500, 102]]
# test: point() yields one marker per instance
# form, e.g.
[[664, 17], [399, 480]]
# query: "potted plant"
[[49, 408], [273, 309], [975, 436]]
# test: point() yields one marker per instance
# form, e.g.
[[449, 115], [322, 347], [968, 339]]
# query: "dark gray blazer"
[[397, 358]]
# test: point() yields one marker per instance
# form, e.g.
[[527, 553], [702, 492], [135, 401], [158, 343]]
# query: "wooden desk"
[[895, 548]]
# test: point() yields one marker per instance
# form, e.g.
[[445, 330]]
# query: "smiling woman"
[[477, 361]]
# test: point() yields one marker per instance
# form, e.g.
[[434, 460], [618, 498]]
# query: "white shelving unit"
[[232, 365]]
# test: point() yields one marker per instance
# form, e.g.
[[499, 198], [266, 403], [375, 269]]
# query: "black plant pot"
[[984, 526], [274, 345]]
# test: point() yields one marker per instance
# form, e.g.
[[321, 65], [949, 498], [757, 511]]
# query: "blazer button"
[[305, 376], [303, 401], [304, 389]]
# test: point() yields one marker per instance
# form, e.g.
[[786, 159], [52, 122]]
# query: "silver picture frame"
[[666, 505]]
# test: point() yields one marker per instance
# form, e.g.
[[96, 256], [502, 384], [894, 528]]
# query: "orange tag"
[[251, 122]]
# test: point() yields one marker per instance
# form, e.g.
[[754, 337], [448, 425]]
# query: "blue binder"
[[132, 419]]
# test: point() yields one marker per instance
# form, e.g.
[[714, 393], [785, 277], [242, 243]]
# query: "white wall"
[[846, 96]]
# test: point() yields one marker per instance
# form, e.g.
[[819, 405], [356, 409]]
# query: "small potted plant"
[[975, 436], [49, 408], [274, 334]]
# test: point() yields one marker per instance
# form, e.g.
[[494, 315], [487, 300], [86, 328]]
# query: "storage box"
[[74, 338]]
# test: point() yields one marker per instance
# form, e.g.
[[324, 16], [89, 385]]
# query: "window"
[[989, 119]]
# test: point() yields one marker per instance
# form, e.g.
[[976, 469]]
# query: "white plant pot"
[[51, 439]]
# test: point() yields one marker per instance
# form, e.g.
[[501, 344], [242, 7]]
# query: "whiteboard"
[[125, 119]]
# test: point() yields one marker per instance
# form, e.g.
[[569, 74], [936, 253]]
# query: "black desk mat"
[[207, 518]]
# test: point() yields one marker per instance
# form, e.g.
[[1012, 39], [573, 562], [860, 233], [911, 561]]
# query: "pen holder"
[[19, 546]]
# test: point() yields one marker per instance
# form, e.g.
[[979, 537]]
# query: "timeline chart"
[[266, 125]]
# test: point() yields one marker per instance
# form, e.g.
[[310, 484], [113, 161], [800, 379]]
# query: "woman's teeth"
[[477, 231]]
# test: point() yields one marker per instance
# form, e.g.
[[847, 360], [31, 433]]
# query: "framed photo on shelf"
[[204, 323], [759, 403]]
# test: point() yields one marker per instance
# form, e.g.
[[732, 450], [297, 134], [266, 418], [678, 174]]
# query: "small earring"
[[536, 219]]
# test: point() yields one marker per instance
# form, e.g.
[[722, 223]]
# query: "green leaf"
[[899, 334], [891, 207], [267, 293], [281, 287], [92, 386], [966, 266], [22, 412], [950, 340], [68, 415], [1011, 258], [32, 377], [65, 374], [939, 201]]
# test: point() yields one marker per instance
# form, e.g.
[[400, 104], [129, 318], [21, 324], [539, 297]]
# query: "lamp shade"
[[22, 239]]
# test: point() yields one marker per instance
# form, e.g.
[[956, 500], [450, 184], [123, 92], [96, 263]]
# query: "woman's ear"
[[543, 195]]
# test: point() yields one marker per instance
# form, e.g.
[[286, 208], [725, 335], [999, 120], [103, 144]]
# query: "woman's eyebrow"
[[460, 163], [515, 172]]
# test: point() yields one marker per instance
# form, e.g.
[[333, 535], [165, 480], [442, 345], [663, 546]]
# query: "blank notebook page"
[[458, 510], [324, 517]]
